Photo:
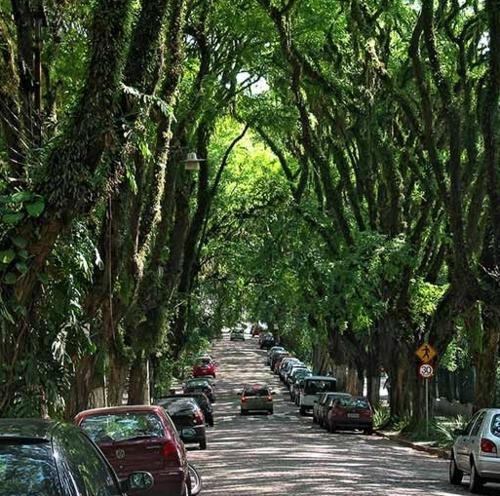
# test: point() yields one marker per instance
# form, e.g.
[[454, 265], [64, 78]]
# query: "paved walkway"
[[285, 454]]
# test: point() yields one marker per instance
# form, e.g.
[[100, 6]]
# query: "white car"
[[314, 385], [476, 450]]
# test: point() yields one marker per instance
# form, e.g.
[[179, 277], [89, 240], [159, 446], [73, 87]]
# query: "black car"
[[267, 342], [188, 419], [44, 458], [200, 385], [200, 398]]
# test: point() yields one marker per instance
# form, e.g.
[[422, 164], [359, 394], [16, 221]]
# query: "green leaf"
[[19, 242], [21, 196], [36, 209], [10, 278], [23, 254], [7, 256], [43, 278], [13, 218], [22, 267]]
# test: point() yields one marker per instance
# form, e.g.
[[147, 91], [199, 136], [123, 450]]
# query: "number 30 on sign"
[[426, 371]]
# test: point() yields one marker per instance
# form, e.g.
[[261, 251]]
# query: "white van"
[[313, 387]]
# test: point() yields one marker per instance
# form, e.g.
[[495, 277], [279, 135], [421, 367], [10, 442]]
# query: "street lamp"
[[192, 162]]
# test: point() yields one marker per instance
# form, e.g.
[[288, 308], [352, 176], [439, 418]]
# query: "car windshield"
[[27, 468], [117, 427], [198, 383], [204, 361], [316, 386], [495, 425], [359, 403]]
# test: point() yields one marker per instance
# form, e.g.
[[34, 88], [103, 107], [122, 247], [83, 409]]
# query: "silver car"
[[476, 451]]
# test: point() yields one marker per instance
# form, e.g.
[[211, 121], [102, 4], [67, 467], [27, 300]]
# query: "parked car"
[[271, 351], [256, 330], [140, 438], [46, 458], [188, 419], [200, 398], [277, 363], [267, 341], [313, 387], [257, 397], [323, 405], [278, 355], [298, 381], [477, 451], [205, 367], [200, 385], [350, 414], [237, 335], [286, 366], [293, 370]]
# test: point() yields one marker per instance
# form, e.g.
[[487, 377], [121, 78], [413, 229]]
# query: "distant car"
[[266, 341], [477, 451], [313, 387], [46, 458], [257, 397], [292, 371], [323, 405], [237, 335], [200, 398], [350, 414], [205, 366], [200, 385], [188, 419], [278, 355], [271, 352], [297, 382], [286, 365], [139, 438], [256, 330]]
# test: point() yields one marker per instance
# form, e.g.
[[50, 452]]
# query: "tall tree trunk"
[[138, 388]]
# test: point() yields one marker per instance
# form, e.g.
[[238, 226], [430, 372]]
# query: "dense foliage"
[[349, 197]]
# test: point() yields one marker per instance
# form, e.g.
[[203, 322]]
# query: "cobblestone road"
[[285, 454]]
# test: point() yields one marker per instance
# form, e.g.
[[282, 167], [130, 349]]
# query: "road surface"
[[285, 454]]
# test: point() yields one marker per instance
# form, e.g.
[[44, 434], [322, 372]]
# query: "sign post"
[[426, 353]]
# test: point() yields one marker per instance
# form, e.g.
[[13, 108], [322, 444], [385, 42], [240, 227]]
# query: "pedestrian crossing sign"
[[426, 353]]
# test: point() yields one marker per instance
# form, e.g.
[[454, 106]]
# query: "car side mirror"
[[138, 481]]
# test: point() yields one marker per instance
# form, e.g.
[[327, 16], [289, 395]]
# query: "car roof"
[[320, 378], [121, 409], [39, 429]]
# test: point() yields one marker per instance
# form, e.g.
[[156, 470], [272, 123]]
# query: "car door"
[[463, 444], [84, 467], [475, 436]]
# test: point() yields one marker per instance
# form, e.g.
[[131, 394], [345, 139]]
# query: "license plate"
[[353, 415], [188, 432]]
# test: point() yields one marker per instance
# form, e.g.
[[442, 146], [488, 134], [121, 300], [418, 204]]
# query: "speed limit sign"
[[426, 371]]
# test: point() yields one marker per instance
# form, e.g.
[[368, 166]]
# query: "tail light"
[[244, 399], [198, 418], [488, 446], [170, 454], [269, 398]]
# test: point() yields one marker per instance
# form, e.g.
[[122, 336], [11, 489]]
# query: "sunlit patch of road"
[[285, 454]]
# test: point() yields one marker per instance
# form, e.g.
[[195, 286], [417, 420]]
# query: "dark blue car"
[[45, 458]]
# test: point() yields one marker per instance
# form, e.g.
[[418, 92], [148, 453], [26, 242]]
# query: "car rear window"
[[317, 386], [27, 468], [256, 391], [495, 425], [181, 406], [198, 383], [119, 427], [204, 361]]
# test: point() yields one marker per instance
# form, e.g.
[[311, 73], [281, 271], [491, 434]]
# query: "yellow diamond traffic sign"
[[426, 353]]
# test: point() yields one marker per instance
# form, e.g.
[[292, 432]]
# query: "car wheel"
[[203, 444], [368, 431], [456, 475], [302, 411], [215, 377], [315, 420], [332, 428], [271, 411], [243, 412], [476, 482]]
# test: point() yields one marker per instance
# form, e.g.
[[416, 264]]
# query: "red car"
[[205, 367], [350, 414], [140, 438]]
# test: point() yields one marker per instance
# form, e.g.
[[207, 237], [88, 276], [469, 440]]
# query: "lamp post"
[[192, 162]]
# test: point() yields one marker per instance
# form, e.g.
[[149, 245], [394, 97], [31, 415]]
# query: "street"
[[285, 454]]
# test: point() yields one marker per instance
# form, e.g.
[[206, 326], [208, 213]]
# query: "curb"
[[439, 452]]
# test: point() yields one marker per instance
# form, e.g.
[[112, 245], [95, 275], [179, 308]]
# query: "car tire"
[[368, 431], [315, 420], [203, 444], [271, 412], [243, 412], [302, 411], [476, 481], [455, 474], [332, 428]]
